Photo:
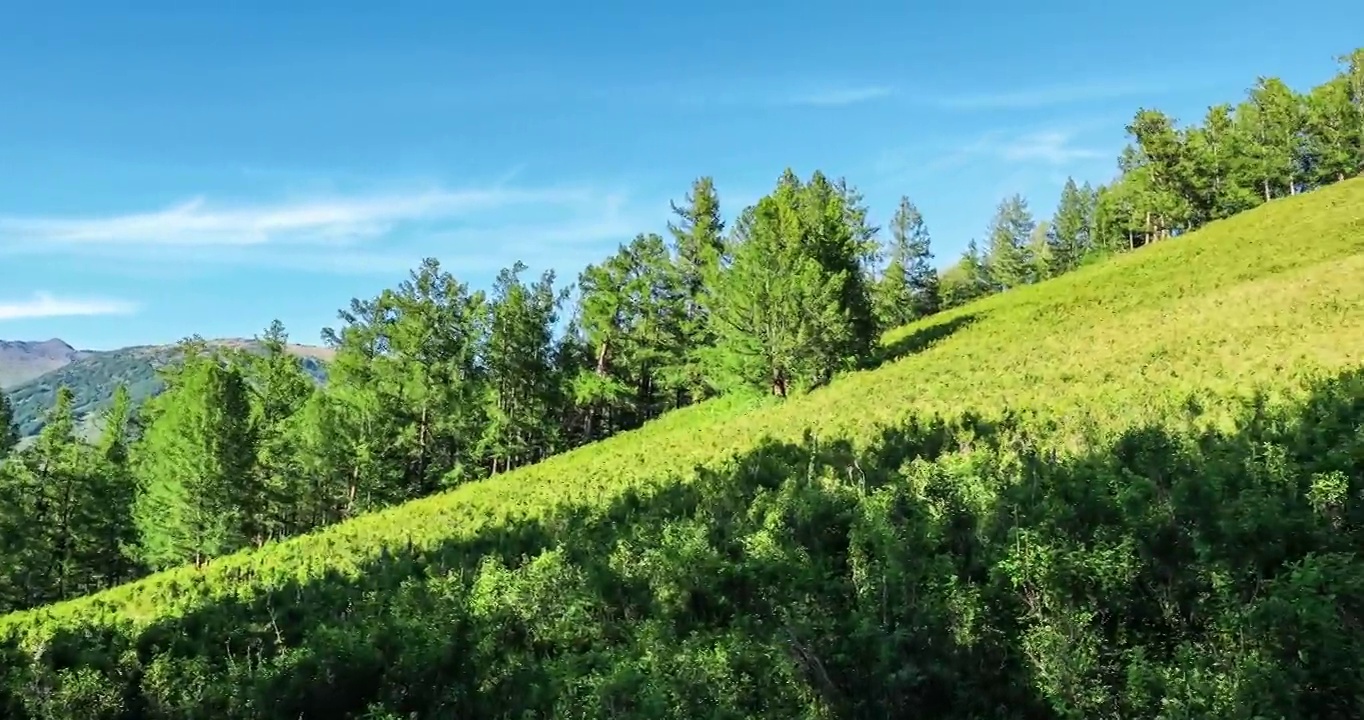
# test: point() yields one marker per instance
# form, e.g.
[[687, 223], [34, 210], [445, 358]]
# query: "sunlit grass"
[[1267, 299]]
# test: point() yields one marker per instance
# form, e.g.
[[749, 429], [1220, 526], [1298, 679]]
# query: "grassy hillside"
[[93, 377], [1062, 499]]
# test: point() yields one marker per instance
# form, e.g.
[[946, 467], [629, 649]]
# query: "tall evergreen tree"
[[9, 434], [114, 531], [779, 320], [194, 464], [1071, 227], [834, 227], [431, 333], [1273, 118], [280, 388], [1161, 150], [699, 246], [1007, 261], [1040, 259], [908, 288], [519, 358], [1331, 135]]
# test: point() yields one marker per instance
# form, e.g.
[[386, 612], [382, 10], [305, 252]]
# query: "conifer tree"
[[908, 288], [431, 332], [194, 464], [1007, 262], [519, 358], [780, 320], [1273, 119], [280, 387], [1040, 259], [834, 228], [9, 434], [699, 245], [1071, 228], [114, 532]]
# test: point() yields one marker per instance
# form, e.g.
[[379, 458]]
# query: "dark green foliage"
[[1213, 574], [65, 515], [9, 432]]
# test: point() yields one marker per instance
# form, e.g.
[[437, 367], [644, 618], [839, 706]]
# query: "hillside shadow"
[[1210, 575], [921, 339]]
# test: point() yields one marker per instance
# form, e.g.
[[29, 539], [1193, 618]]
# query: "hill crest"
[[94, 375]]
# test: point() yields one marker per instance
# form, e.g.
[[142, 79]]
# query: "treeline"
[[434, 384]]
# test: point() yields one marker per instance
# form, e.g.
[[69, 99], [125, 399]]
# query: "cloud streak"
[[329, 221], [842, 96], [1056, 148], [380, 234], [1036, 97], [1052, 147], [45, 305]]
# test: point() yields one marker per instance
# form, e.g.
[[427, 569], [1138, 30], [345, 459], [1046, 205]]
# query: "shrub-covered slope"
[[1066, 500]]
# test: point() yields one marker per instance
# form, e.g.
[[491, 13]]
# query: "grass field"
[[1178, 334]]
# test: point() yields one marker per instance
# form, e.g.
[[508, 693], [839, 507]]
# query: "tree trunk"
[[778, 383], [601, 358]]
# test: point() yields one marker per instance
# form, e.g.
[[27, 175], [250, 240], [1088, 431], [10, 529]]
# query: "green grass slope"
[[975, 527], [93, 378]]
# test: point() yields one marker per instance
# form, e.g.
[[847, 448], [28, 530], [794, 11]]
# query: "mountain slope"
[[937, 529], [22, 361], [93, 377]]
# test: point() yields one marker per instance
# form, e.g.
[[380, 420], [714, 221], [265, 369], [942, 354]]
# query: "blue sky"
[[167, 171]]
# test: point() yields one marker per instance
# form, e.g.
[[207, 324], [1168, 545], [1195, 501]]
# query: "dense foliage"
[[1058, 501]]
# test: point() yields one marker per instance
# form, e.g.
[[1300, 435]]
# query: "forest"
[[672, 602]]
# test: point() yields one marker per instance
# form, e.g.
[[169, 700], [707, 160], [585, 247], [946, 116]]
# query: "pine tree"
[[1352, 70], [1273, 119], [780, 318], [834, 226], [1071, 228], [1040, 259], [113, 530], [1007, 262], [429, 372], [1216, 184], [518, 355], [699, 246], [280, 387], [1330, 132], [908, 288], [194, 465], [1160, 155], [9, 434]]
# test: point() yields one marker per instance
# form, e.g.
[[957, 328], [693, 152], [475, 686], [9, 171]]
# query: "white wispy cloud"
[[46, 305], [332, 220], [842, 96], [1045, 96], [1054, 147], [378, 233], [1058, 148]]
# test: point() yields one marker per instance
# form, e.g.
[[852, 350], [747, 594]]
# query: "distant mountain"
[[93, 377], [22, 361]]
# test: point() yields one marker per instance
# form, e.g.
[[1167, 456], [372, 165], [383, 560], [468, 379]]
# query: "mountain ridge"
[[93, 375], [23, 360]]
